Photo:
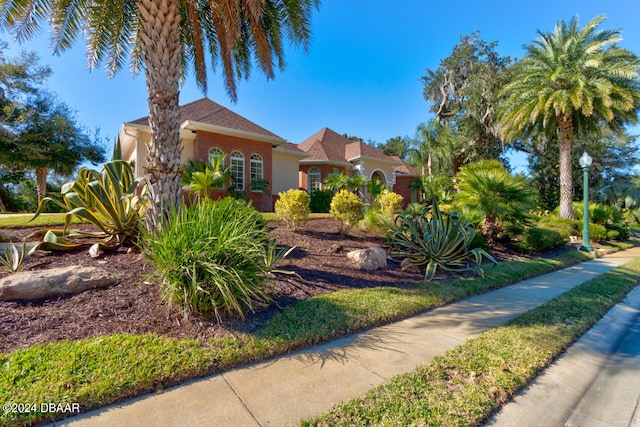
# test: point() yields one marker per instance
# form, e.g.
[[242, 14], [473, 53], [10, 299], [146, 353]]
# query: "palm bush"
[[436, 240], [212, 258], [107, 199], [486, 188], [201, 177]]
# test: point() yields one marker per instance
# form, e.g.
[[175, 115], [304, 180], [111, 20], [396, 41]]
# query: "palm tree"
[[570, 80], [486, 187], [166, 37]]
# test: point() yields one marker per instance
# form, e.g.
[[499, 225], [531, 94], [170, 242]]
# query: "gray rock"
[[54, 282], [6, 237], [369, 259]]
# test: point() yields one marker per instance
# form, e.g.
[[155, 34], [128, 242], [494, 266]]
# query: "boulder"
[[369, 259], [6, 237], [54, 282]]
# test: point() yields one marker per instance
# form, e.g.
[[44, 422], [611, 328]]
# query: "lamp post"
[[585, 162]]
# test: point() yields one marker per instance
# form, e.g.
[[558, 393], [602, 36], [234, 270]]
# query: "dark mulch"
[[134, 305]]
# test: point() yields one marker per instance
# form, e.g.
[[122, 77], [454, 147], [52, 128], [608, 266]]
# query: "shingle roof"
[[406, 168], [206, 111], [327, 145]]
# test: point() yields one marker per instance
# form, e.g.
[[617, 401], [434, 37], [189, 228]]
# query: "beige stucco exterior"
[[368, 166], [285, 169]]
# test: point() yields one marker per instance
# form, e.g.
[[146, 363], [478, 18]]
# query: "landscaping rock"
[[369, 259], [6, 237], [54, 282]]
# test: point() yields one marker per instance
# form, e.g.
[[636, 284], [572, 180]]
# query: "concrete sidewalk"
[[284, 390], [596, 383]]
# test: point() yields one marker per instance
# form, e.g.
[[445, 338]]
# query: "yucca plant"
[[13, 258], [436, 240], [106, 199]]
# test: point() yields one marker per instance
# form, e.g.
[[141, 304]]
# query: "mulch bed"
[[134, 305]]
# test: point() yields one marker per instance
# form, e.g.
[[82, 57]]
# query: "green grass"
[[466, 385], [19, 221], [99, 371]]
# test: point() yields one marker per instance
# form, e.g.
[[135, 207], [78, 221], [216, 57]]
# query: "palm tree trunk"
[[565, 129], [41, 183], [161, 55]]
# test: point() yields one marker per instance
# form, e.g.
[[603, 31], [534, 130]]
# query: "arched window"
[[315, 180], [256, 168], [216, 152], [237, 169]]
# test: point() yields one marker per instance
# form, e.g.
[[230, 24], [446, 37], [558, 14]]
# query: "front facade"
[[330, 152], [253, 155], [208, 129]]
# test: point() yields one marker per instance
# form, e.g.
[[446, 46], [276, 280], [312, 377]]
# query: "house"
[[331, 152], [253, 153], [208, 129]]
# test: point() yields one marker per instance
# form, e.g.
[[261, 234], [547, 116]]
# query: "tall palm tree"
[[569, 80], [166, 37]]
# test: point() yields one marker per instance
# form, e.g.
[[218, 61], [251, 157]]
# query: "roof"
[[405, 168], [325, 145], [205, 111], [329, 146], [289, 148]]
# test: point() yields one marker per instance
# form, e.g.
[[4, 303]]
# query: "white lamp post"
[[585, 161]]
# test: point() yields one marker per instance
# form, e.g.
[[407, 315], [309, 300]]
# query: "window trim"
[[315, 172], [256, 159], [219, 152], [235, 156]]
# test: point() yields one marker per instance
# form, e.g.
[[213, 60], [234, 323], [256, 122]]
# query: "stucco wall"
[[285, 171]]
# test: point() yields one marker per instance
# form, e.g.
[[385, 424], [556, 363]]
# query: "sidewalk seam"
[[244, 404]]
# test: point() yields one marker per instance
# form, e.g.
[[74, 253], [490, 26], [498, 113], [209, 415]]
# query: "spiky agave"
[[435, 239]]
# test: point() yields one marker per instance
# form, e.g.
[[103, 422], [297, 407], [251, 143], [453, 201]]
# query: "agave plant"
[[13, 258], [436, 240], [106, 199]]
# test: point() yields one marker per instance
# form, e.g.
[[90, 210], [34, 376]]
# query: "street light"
[[585, 162]]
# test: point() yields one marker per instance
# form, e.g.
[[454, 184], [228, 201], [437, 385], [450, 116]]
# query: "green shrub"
[[615, 232], [375, 220], [292, 207], [389, 203], [597, 232], [347, 208], [210, 258], [320, 201], [538, 239], [572, 227], [436, 240]]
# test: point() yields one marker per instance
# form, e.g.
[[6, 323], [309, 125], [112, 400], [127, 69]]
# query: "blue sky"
[[361, 74]]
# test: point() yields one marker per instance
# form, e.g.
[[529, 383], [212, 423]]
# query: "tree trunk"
[[565, 130], [41, 183], [161, 55]]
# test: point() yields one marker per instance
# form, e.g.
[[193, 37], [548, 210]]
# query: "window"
[[237, 169], [315, 181], [256, 168], [216, 152]]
